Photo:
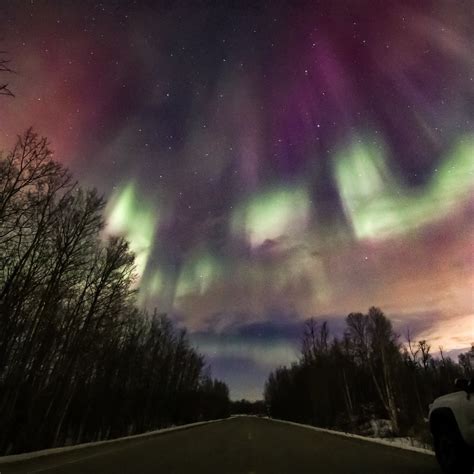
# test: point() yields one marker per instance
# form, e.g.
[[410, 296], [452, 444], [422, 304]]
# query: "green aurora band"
[[273, 213], [199, 272], [136, 220], [379, 206]]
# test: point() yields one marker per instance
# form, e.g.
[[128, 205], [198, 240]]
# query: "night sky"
[[268, 161]]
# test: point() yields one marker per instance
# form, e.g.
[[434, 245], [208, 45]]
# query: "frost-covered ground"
[[381, 429], [403, 442]]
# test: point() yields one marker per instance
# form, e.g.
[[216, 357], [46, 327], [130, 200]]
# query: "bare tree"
[[424, 348], [74, 349], [362, 376], [5, 68]]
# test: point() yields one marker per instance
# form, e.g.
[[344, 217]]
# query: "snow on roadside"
[[46, 452], [408, 444], [401, 442]]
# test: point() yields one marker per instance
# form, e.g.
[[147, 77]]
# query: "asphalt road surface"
[[243, 445]]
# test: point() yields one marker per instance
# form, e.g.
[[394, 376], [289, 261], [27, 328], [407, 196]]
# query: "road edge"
[[352, 435], [13, 458]]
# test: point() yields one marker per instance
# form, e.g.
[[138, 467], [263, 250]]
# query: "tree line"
[[247, 407], [78, 361], [349, 382]]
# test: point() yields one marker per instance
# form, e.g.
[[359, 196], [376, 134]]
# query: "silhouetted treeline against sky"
[[78, 360], [246, 407], [367, 374]]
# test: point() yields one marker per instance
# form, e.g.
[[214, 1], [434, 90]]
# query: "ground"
[[243, 445]]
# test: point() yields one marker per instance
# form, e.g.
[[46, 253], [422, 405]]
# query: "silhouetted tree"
[[467, 362], [78, 361], [4, 68], [349, 382]]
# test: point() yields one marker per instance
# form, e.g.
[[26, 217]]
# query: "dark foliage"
[[245, 407], [367, 374], [78, 361]]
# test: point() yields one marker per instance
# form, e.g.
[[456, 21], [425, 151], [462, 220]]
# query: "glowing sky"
[[268, 161]]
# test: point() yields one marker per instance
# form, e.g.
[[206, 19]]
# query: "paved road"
[[241, 445]]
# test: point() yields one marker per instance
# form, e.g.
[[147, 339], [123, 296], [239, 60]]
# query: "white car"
[[451, 420]]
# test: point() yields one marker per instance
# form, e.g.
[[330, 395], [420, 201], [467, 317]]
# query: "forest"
[[353, 382], [78, 360]]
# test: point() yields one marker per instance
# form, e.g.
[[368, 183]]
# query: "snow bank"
[[402, 443]]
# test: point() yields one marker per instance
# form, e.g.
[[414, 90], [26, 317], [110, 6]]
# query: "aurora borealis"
[[268, 161]]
